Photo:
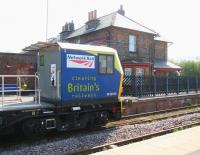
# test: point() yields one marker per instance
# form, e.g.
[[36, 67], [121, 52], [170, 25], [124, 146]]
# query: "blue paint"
[[86, 83]]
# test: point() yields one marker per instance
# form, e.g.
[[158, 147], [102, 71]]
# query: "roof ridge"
[[107, 14], [113, 18], [97, 19]]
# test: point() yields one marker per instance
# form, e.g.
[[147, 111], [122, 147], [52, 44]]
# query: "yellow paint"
[[123, 107], [97, 52], [120, 87], [117, 65], [116, 62]]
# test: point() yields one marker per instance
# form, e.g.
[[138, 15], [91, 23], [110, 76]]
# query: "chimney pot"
[[66, 26], [71, 26], [95, 14], [89, 16], [121, 10], [92, 15]]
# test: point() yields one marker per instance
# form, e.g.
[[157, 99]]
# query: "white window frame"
[[132, 43], [139, 71], [106, 64], [128, 71]]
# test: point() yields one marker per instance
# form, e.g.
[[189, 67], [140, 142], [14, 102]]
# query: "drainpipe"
[[109, 36], [152, 56]]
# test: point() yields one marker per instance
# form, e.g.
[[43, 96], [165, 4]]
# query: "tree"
[[190, 68]]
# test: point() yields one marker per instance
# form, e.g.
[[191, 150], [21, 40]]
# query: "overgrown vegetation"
[[190, 68]]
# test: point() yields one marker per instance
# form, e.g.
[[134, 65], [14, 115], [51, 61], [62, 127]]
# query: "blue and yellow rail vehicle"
[[80, 85]]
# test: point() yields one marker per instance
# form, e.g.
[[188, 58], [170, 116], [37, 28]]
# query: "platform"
[[185, 142], [25, 102]]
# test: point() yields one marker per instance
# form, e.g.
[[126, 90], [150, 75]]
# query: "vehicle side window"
[[110, 64], [102, 64], [106, 64], [41, 60]]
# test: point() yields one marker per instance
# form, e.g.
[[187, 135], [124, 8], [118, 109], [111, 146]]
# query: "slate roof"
[[161, 64], [161, 38], [113, 19]]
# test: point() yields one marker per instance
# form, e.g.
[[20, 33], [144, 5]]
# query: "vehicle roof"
[[40, 45], [85, 47]]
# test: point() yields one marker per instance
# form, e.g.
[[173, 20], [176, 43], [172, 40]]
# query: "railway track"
[[140, 119], [131, 140], [154, 116], [135, 119]]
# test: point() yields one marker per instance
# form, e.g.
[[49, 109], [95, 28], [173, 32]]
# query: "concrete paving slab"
[[185, 142]]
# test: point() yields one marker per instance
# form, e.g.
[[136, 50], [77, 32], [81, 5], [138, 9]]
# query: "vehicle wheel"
[[104, 117]]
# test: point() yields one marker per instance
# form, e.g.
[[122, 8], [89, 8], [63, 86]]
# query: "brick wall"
[[13, 64], [133, 106], [118, 38], [143, 44], [160, 50], [91, 37]]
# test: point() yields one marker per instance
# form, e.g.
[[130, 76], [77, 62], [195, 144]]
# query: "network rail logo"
[[80, 61]]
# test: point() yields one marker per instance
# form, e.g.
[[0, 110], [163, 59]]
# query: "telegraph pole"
[[47, 18]]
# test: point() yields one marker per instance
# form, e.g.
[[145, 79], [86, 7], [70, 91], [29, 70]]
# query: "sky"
[[23, 22]]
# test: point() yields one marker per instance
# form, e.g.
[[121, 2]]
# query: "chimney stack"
[[67, 29], [121, 10], [92, 15]]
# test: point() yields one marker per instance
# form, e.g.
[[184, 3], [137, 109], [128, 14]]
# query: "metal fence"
[[6, 88], [153, 86]]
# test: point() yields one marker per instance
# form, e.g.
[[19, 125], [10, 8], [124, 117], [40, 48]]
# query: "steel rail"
[[160, 111], [98, 129]]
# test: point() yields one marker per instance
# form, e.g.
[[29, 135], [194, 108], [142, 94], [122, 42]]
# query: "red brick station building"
[[142, 51]]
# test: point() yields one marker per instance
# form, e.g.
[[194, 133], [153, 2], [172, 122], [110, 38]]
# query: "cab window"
[[106, 64]]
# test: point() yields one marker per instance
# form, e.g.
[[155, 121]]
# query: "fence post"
[[178, 85], [167, 85], [197, 83], [154, 86], [134, 87], [141, 85], [2, 87], [188, 85]]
